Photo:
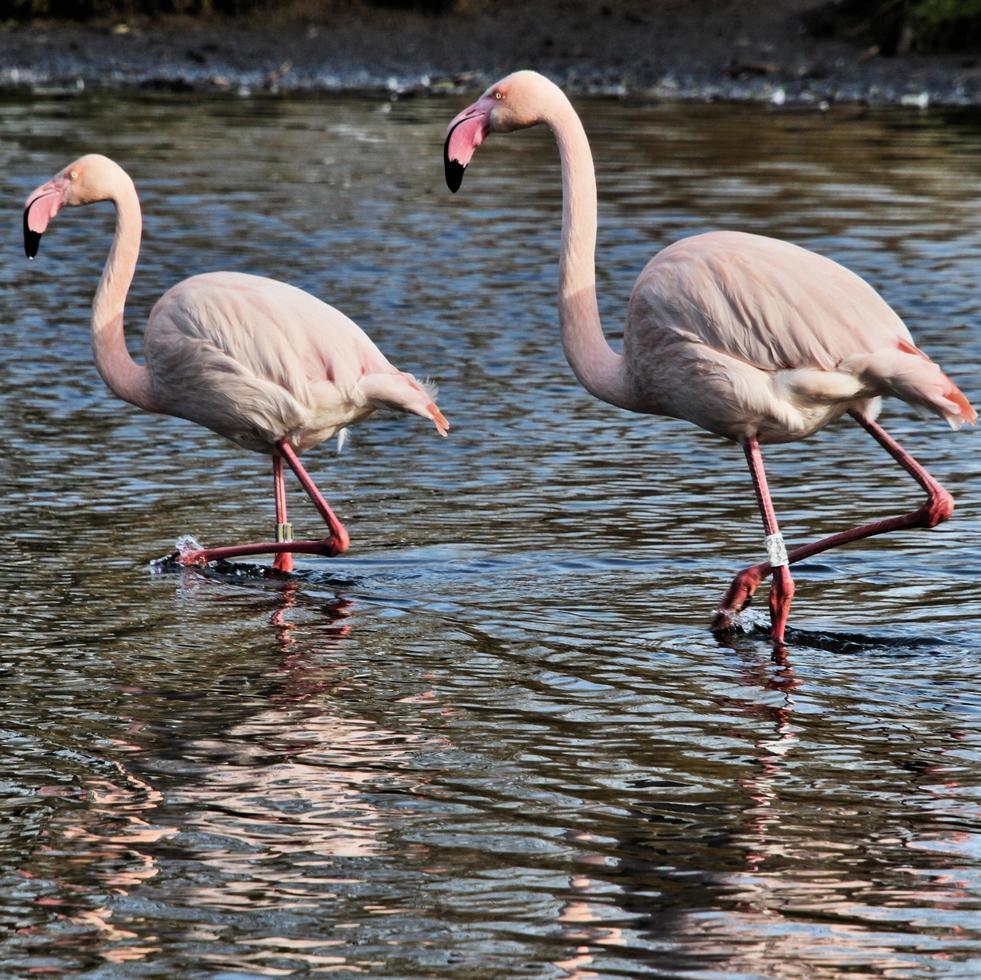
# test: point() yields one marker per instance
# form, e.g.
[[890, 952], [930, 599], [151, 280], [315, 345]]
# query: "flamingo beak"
[[41, 207], [464, 134]]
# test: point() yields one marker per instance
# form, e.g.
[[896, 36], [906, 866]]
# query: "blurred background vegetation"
[[892, 26], [899, 26]]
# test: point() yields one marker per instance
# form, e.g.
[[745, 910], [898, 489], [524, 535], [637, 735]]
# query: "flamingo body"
[[747, 335], [257, 361]]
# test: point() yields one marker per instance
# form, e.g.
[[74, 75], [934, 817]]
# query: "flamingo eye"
[[74, 175], [498, 95]]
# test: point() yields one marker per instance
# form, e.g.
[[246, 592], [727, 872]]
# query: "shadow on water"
[[250, 574], [752, 631]]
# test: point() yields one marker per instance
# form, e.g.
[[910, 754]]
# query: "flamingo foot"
[[739, 596], [283, 550]]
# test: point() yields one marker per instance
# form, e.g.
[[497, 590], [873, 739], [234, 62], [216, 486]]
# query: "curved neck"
[[598, 367], [127, 379]]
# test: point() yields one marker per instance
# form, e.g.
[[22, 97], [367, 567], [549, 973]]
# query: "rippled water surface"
[[497, 739]]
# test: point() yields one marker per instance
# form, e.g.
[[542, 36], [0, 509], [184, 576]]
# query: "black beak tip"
[[32, 239], [454, 174], [31, 242]]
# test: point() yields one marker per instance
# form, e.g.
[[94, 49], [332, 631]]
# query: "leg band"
[[776, 550]]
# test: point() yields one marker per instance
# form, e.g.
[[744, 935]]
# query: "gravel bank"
[[725, 50]]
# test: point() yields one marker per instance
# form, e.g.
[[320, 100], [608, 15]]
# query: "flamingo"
[[262, 363], [752, 338]]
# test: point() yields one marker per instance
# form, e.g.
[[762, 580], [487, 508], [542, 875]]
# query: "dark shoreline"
[[735, 51]]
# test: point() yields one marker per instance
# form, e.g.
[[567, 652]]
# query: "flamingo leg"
[[782, 589], [336, 543], [283, 562], [938, 506], [339, 538]]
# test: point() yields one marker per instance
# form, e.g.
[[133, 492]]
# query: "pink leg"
[[938, 506], [336, 543], [782, 589], [283, 562], [339, 536]]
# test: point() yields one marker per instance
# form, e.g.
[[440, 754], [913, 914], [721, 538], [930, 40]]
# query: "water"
[[496, 740]]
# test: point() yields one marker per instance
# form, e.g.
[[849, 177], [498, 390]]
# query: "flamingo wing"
[[789, 338], [768, 302], [255, 359]]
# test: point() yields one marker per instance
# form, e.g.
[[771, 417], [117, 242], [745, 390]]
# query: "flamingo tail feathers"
[[907, 373]]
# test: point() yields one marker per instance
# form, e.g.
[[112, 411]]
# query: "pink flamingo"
[[261, 363], [749, 337]]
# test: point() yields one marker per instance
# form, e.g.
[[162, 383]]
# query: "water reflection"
[[496, 738], [268, 802], [688, 886]]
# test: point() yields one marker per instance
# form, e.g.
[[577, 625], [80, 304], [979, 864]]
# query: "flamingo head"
[[515, 102], [399, 390], [90, 178]]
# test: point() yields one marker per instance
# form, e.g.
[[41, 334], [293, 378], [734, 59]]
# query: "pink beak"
[[41, 207], [464, 134]]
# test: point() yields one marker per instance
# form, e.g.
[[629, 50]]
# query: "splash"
[[187, 543], [184, 544]]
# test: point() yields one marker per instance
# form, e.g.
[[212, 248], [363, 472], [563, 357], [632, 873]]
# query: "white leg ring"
[[776, 550]]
